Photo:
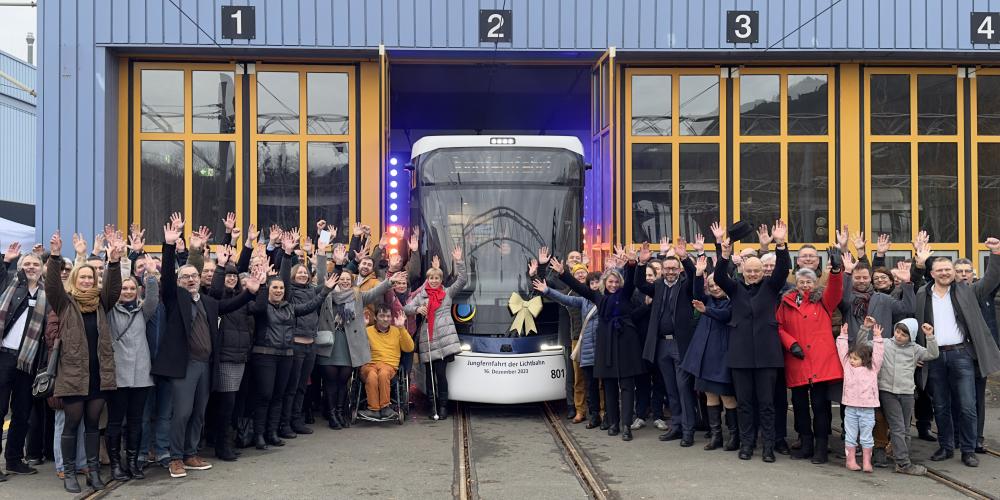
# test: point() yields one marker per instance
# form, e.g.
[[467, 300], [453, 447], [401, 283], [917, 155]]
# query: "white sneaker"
[[637, 424], [661, 424]]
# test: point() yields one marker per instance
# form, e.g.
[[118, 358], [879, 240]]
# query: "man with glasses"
[[965, 274]]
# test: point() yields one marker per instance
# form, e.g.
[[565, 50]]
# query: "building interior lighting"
[[393, 206]]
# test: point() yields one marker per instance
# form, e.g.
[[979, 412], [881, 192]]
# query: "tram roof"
[[434, 142]]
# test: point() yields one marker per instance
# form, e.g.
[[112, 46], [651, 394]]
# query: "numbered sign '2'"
[[495, 26]]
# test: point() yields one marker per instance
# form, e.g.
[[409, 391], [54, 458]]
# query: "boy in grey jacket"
[[896, 383]]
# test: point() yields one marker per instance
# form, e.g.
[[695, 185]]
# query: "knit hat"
[[911, 326], [577, 267]]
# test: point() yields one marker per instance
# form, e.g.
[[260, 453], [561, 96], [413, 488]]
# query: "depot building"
[[884, 115]]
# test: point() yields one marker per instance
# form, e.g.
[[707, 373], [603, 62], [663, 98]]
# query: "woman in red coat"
[[811, 361]]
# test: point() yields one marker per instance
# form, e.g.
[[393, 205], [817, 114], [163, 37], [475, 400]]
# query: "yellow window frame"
[[187, 137], [303, 138], [783, 139], [915, 139], [675, 139]]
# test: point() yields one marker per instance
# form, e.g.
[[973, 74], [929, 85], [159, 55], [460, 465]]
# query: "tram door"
[[602, 179]]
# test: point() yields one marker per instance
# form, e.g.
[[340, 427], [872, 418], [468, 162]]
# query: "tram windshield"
[[504, 203]]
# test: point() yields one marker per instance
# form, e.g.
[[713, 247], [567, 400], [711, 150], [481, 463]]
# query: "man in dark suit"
[[669, 334], [185, 350]]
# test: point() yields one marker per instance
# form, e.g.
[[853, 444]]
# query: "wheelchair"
[[399, 393]]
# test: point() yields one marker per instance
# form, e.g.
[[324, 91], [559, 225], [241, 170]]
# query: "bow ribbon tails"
[[525, 312]]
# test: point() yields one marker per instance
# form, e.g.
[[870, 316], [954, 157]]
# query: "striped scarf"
[[30, 342]]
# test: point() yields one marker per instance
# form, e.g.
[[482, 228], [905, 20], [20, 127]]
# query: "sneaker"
[[164, 462], [388, 413], [661, 424], [35, 461], [637, 424], [369, 414], [20, 468], [912, 469], [196, 463], [177, 469]]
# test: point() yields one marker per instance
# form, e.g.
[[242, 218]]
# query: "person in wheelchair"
[[387, 338]]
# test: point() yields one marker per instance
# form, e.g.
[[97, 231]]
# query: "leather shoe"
[[670, 435], [925, 435], [627, 434], [768, 454], [981, 450], [571, 414], [613, 430], [970, 460], [286, 433], [780, 446], [687, 441], [942, 454], [605, 425], [273, 439], [746, 453]]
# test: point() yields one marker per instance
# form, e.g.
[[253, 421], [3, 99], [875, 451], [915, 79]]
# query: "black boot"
[[714, 415], [443, 408], [595, 421], [343, 416], [333, 422], [68, 444], [132, 462], [806, 450], [272, 439], [286, 432], [92, 443], [259, 442], [113, 444], [768, 453], [822, 452], [223, 448], [733, 443]]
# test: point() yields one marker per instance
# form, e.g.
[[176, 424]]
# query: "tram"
[[501, 198]]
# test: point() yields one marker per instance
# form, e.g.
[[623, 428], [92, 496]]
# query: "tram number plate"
[[741, 26], [984, 27], [495, 26], [238, 22]]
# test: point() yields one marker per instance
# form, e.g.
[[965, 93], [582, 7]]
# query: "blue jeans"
[[858, 425], [953, 376], [680, 387], [156, 420], [81, 452]]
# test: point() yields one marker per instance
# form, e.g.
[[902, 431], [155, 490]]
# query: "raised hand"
[[725, 248], [13, 252], [399, 320], [533, 267], [414, 242], [257, 277], [235, 235], [200, 237], [229, 222], [116, 248], [331, 281], [701, 265], [171, 233], [698, 305], [288, 242], [177, 221], [620, 254], [843, 236], [539, 286], [664, 243], [543, 255], [252, 234], [320, 225], [922, 252], [877, 331], [456, 254], [699, 243], [150, 264], [764, 236], [38, 250], [779, 232], [361, 254], [993, 244], [137, 241], [358, 229], [181, 245], [395, 262], [99, 242], [883, 245], [275, 235], [436, 262], [644, 253], [928, 329], [680, 248], [383, 241], [849, 262], [859, 242], [79, 244], [556, 265], [869, 322], [339, 254], [398, 277], [718, 231], [224, 254], [55, 244]]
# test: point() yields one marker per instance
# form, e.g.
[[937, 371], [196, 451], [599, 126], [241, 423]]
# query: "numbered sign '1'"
[[238, 22], [495, 26], [984, 27], [741, 26]]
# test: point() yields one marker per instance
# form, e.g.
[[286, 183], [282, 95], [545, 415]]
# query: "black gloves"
[[836, 260], [796, 351]]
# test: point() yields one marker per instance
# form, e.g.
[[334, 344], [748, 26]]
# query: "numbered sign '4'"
[[984, 27]]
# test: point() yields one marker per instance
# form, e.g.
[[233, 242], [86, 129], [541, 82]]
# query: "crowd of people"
[[187, 349]]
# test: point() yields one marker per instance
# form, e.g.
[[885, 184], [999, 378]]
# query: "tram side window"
[[651, 192]]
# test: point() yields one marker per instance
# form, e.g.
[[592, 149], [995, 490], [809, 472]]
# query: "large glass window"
[[162, 101], [989, 191], [808, 105], [278, 184], [890, 104], [277, 102], [760, 184], [890, 190], [988, 104], [651, 107], [699, 188], [760, 104], [985, 151], [326, 101], [651, 196], [699, 105], [213, 106], [161, 184], [213, 183], [938, 189], [328, 179], [808, 191]]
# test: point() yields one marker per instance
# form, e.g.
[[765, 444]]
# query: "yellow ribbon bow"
[[525, 312]]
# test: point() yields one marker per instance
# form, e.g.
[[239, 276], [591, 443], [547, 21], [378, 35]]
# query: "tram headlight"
[[466, 347], [551, 347]]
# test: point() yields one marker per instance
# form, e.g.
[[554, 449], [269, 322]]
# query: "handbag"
[[45, 382], [324, 343]]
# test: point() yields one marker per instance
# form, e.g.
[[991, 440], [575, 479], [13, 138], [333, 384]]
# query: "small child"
[[861, 365], [895, 382]]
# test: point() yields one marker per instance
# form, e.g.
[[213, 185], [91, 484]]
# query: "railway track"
[[466, 482]]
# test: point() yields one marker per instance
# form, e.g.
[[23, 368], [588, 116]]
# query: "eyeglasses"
[[187, 276]]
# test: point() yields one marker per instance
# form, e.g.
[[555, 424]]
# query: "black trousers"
[[755, 398], [270, 376], [440, 376], [126, 403], [780, 406], [298, 380], [593, 392], [619, 411], [923, 408], [816, 396], [15, 393]]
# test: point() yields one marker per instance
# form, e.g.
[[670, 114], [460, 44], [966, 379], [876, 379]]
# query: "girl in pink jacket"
[[861, 364]]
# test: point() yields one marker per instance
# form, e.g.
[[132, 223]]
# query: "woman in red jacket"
[[811, 361]]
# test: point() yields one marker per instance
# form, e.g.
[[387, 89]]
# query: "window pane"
[[278, 184], [760, 109], [808, 109], [651, 105], [760, 185], [891, 191], [213, 184], [162, 100], [890, 102], [602, 85], [989, 190], [213, 95], [161, 188], [326, 100], [651, 201], [988, 104], [607, 177], [699, 107], [808, 195], [277, 103], [328, 185], [936, 105], [699, 189], [937, 191]]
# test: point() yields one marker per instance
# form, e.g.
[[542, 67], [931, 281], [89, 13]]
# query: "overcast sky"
[[15, 23]]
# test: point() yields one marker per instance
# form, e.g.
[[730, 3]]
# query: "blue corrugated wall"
[[18, 124], [77, 153]]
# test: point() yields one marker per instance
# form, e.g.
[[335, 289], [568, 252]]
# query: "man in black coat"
[[185, 351], [671, 325], [755, 352]]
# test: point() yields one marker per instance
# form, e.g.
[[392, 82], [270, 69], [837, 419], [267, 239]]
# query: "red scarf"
[[435, 296]]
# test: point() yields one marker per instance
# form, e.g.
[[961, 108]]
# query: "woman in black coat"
[[618, 351], [755, 352]]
